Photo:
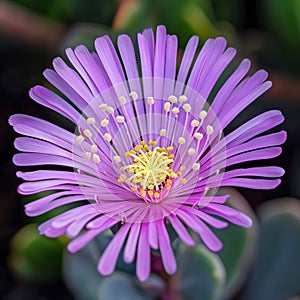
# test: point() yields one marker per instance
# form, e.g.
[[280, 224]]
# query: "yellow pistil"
[[150, 171]]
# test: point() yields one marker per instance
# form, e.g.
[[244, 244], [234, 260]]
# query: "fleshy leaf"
[[35, 257], [200, 274], [238, 244], [276, 273], [82, 267], [123, 286]]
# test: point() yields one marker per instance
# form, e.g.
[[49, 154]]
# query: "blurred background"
[[33, 32]]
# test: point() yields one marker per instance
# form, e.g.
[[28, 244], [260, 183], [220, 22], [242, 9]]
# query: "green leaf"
[[185, 18], [80, 272], [82, 267], [85, 34], [238, 244], [283, 18], [35, 257], [276, 273], [128, 289], [200, 274]]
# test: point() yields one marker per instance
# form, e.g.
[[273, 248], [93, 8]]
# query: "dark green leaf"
[[238, 244], [123, 286], [200, 275], [276, 273], [36, 257]]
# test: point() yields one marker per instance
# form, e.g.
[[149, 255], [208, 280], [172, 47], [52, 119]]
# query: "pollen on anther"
[[152, 143], [182, 98], [195, 123], [122, 100], [172, 99], [91, 121], [133, 95], [87, 155], [167, 106], [150, 100], [156, 194], [202, 114], [117, 159], [181, 140], [104, 122], [87, 133], [187, 107], [196, 166], [107, 137], [110, 109], [120, 119], [79, 139], [94, 148], [175, 110], [96, 158], [198, 136], [209, 130], [191, 151], [163, 132], [103, 106], [183, 180], [142, 192]]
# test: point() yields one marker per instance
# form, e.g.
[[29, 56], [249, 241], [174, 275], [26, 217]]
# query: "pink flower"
[[148, 150]]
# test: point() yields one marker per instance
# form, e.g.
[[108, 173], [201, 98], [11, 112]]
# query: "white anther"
[[94, 148], [122, 100], [120, 119], [196, 166], [107, 137], [191, 151], [209, 130], [110, 109], [172, 99], [133, 95], [117, 159], [187, 107], [182, 98], [87, 133], [183, 180], [91, 121], [150, 100], [103, 106], [175, 110], [202, 114], [198, 136], [167, 106], [79, 139], [104, 122], [195, 123], [181, 140], [87, 155], [163, 132], [96, 158]]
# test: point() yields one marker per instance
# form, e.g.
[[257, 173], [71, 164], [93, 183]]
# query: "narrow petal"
[[143, 254], [181, 230], [131, 244], [109, 257], [166, 250]]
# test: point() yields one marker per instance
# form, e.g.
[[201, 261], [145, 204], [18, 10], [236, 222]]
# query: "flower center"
[[149, 171]]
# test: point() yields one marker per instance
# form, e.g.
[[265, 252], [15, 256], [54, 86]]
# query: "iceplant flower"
[[147, 150]]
